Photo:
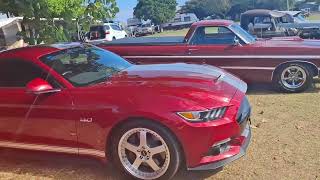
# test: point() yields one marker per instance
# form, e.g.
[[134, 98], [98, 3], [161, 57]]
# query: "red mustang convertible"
[[289, 63], [149, 120]]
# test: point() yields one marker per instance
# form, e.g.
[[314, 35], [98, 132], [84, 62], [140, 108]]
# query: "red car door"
[[34, 122], [219, 46], [14, 106]]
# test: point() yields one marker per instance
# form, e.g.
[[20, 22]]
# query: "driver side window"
[[214, 35], [18, 73]]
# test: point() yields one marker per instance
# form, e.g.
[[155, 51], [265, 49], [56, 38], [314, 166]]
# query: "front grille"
[[244, 111]]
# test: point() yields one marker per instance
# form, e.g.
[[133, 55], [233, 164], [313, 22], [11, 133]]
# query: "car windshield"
[[300, 18], [85, 65], [244, 35], [146, 25]]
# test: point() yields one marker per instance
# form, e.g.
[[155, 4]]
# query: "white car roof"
[[111, 24]]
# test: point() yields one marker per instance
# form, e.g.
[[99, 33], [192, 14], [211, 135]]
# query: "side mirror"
[[39, 86], [236, 42]]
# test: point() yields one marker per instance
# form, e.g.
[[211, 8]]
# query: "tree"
[[52, 21], [220, 8], [6, 7], [243, 4], [158, 11], [238, 7], [205, 8], [275, 4]]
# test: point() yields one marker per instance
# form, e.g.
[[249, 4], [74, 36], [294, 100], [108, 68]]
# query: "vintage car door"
[[221, 47], [34, 122]]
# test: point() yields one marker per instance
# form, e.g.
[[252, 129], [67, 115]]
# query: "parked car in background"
[[213, 16], [145, 29], [107, 31], [295, 16], [133, 24], [306, 29], [289, 63], [267, 23], [82, 100], [181, 21]]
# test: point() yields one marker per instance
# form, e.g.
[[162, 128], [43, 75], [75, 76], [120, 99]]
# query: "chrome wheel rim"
[[293, 77], [144, 153]]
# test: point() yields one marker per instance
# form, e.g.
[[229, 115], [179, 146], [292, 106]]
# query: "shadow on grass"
[[268, 88], [55, 166]]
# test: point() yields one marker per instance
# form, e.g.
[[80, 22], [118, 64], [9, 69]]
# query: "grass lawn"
[[314, 16], [181, 32]]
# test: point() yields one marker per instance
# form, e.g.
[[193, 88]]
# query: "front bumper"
[[217, 164]]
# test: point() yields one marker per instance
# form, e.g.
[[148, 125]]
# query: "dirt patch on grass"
[[285, 145]]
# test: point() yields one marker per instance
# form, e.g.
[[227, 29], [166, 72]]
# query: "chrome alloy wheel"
[[293, 77], [144, 153]]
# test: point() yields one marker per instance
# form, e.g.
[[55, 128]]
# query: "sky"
[[126, 8]]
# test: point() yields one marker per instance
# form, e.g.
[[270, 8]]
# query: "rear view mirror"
[[39, 86]]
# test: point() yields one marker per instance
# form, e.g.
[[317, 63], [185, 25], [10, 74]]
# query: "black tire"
[[278, 83], [176, 157]]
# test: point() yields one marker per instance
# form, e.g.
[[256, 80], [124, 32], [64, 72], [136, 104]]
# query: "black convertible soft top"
[[248, 17], [142, 41], [263, 12]]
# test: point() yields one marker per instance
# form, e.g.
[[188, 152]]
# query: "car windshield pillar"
[[246, 37]]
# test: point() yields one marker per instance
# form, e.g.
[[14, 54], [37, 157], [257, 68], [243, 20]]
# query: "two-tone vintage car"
[[289, 63], [265, 23]]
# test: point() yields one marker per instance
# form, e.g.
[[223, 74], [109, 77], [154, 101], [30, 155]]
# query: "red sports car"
[[149, 120]]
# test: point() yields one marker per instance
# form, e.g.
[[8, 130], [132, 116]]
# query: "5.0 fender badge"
[[86, 120]]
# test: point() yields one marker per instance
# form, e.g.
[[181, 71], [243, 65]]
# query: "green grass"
[[314, 16], [181, 32]]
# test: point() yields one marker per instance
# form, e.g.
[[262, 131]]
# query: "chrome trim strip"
[[38, 147], [92, 152], [248, 68], [229, 57], [221, 142]]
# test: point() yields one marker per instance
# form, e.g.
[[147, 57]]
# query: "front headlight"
[[203, 116]]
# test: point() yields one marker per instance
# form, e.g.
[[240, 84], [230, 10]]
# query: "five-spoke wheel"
[[144, 153], [293, 78], [146, 150]]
